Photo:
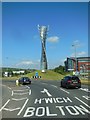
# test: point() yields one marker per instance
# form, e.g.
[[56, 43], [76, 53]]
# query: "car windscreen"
[[25, 78], [75, 78]]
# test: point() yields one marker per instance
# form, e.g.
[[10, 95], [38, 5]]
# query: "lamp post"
[[75, 45], [7, 64]]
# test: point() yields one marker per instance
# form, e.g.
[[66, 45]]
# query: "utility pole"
[[75, 45]]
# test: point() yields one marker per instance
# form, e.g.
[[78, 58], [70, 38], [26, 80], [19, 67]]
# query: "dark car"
[[24, 80], [71, 82]]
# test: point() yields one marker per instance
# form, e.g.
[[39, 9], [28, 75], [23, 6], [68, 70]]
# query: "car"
[[71, 82], [24, 80]]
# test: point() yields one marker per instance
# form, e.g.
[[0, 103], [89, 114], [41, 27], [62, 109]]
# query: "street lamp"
[[75, 45], [7, 63]]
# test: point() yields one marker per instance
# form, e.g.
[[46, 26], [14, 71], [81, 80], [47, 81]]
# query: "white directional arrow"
[[46, 91]]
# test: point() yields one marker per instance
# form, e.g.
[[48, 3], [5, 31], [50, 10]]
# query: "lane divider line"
[[64, 90], [45, 83], [23, 107], [9, 88], [82, 102], [54, 86]]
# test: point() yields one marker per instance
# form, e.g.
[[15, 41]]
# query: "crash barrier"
[[36, 77]]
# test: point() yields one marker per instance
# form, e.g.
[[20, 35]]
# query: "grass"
[[49, 75], [85, 81]]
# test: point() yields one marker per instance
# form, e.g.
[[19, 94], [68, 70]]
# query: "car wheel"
[[61, 84], [79, 87]]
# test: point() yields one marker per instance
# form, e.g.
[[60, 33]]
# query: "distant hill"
[[49, 75], [5, 69]]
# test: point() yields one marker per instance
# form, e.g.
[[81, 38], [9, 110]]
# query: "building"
[[81, 64], [70, 64]]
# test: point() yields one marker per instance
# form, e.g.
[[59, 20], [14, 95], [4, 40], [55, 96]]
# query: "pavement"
[[44, 99]]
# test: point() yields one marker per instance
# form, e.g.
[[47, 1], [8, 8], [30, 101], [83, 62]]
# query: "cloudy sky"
[[21, 44]]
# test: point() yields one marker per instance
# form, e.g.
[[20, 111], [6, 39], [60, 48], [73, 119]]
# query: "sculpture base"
[[43, 71]]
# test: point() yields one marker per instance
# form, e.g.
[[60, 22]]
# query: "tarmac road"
[[44, 99]]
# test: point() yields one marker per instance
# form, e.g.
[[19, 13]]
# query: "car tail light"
[[79, 81], [69, 81]]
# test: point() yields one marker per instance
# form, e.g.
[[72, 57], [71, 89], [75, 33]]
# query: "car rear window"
[[75, 78]]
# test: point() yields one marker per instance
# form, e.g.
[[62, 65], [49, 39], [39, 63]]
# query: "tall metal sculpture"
[[43, 33]]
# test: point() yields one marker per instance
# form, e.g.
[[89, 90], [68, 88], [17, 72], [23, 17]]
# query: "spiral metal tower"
[[43, 33]]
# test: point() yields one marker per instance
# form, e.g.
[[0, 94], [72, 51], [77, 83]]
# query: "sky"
[[21, 43]]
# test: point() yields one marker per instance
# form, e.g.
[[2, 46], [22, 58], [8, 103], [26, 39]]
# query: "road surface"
[[44, 99]]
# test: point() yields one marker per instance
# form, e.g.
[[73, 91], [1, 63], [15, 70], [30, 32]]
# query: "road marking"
[[52, 100], [28, 87], [23, 107], [19, 99], [47, 111], [84, 89], [11, 109], [24, 86], [9, 88], [54, 86], [12, 93], [82, 102], [64, 90], [29, 92], [20, 90], [44, 83], [5, 86], [21, 93], [5, 104], [86, 97], [46, 91]]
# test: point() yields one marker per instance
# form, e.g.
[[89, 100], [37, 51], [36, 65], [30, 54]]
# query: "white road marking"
[[23, 107], [84, 89], [46, 91], [54, 86], [23, 86], [21, 93], [17, 92], [5, 104], [20, 90], [5, 86], [19, 99], [64, 90], [86, 97], [29, 92], [28, 87], [82, 102], [12, 93], [45, 83], [11, 109], [9, 88]]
